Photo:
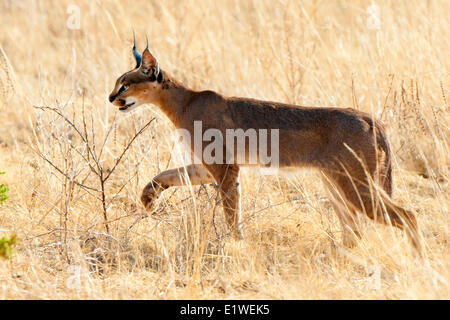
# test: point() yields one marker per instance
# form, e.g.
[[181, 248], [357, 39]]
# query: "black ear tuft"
[[160, 77]]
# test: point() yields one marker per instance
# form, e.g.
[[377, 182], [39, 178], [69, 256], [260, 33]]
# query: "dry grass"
[[312, 53]]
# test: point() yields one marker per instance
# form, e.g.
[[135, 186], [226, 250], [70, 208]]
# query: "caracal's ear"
[[136, 54], [149, 64]]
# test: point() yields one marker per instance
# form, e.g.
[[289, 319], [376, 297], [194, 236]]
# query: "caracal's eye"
[[123, 88]]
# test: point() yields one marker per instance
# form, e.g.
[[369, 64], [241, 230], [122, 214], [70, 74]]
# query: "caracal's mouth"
[[125, 107]]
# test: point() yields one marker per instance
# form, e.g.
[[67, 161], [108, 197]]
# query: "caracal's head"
[[140, 85]]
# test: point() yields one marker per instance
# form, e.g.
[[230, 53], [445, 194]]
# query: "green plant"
[[3, 192], [6, 246]]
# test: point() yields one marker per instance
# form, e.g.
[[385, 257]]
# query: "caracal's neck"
[[173, 98]]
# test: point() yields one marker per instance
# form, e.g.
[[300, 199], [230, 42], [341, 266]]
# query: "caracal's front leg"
[[197, 174], [227, 177]]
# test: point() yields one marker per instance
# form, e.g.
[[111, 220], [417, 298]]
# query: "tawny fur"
[[349, 147]]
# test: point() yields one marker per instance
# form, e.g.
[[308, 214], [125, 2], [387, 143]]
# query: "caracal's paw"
[[150, 194], [350, 238], [238, 234], [349, 241], [148, 201]]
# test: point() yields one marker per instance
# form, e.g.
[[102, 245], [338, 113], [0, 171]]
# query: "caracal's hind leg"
[[197, 174], [348, 216], [404, 220], [376, 204], [227, 177]]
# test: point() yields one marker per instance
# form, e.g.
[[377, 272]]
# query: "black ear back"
[[160, 76], [156, 77], [152, 78]]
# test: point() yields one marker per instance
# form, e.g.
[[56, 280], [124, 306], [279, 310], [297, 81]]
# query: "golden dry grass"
[[320, 53]]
